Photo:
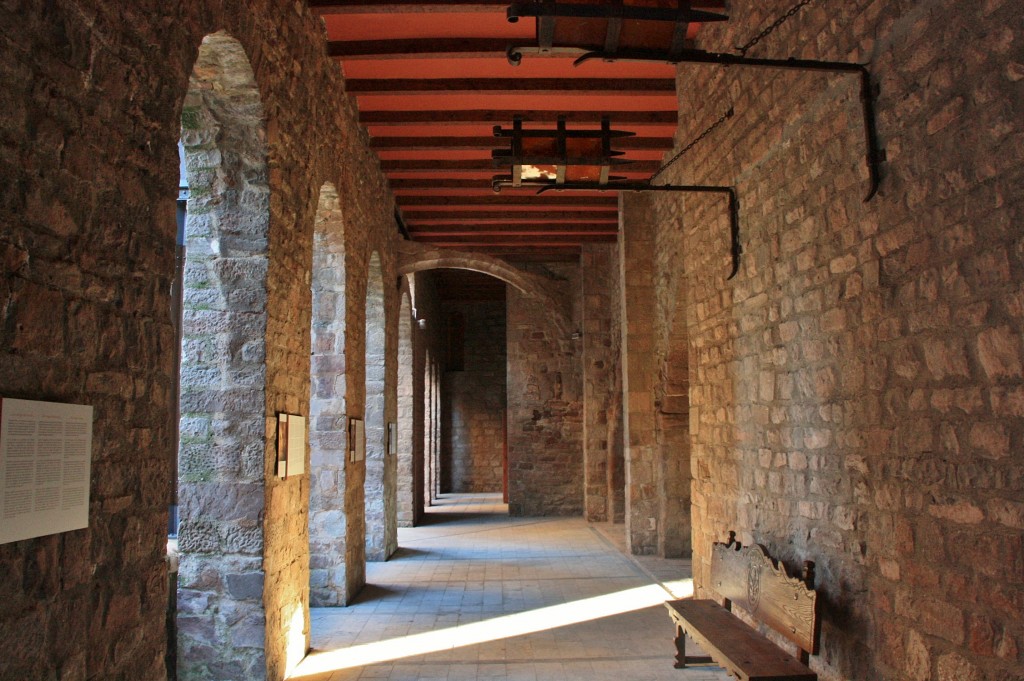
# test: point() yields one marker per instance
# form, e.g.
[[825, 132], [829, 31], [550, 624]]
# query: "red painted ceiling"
[[431, 111]]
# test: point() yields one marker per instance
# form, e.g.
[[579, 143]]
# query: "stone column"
[[639, 371], [602, 398]]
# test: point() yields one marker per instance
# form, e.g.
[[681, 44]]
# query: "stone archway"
[[415, 257], [328, 425], [221, 617]]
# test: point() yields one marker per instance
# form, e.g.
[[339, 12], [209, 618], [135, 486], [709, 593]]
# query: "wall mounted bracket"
[[875, 155]]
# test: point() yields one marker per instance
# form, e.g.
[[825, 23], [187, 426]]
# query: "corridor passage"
[[475, 594]]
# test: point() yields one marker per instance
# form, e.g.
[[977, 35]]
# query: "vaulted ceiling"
[[432, 80]]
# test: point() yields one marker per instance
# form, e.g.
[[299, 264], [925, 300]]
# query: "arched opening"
[[473, 382], [404, 425], [328, 425], [381, 470], [221, 619]]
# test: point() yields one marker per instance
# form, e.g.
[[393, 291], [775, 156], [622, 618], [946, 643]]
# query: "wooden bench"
[[750, 579]]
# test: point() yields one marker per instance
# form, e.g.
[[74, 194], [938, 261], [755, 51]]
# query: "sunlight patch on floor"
[[506, 626]]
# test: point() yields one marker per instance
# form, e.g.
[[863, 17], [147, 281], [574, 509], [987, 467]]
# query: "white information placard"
[[45, 455], [296, 445], [356, 440]]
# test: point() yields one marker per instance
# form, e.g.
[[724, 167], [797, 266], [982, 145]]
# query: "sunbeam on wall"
[[506, 626]]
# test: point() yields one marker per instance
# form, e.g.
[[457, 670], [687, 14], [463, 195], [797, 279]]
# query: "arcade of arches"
[[853, 396]]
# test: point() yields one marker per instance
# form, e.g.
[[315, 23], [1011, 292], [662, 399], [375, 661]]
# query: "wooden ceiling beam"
[[431, 234], [416, 216], [534, 241], [399, 7], [544, 200], [532, 227], [399, 185], [363, 7], [429, 165], [416, 48], [421, 143], [460, 117], [634, 87]]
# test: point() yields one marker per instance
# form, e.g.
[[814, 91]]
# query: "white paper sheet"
[[45, 457]]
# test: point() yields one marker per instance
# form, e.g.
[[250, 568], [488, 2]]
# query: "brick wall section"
[[474, 401], [602, 391], [545, 403], [856, 390], [89, 157]]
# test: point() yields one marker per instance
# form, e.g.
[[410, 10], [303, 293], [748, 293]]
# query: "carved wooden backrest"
[[749, 578]]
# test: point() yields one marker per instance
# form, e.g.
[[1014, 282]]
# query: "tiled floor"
[[475, 594]]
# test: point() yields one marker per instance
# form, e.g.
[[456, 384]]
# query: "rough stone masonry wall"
[[92, 103], [474, 401], [545, 404], [856, 393]]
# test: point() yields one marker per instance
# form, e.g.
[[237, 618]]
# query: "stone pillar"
[[406, 416], [602, 394], [377, 490], [221, 617], [639, 371], [328, 424]]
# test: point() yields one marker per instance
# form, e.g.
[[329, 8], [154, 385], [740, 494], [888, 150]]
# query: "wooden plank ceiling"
[[432, 79]]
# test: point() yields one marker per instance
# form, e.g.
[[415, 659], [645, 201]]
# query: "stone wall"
[[856, 389], [604, 466], [545, 402], [93, 109], [473, 401]]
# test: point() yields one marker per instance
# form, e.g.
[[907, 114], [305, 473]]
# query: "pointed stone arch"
[[221, 618]]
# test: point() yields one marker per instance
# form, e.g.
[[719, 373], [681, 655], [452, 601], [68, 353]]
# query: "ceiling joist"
[[574, 215], [487, 143], [460, 117], [541, 201], [472, 165], [635, 87]]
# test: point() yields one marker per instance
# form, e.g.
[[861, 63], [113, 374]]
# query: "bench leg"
[[682, 659], [680, 648]]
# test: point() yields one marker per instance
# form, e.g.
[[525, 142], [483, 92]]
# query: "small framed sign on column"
[[356, 440], [291, 445], [392, 438]]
